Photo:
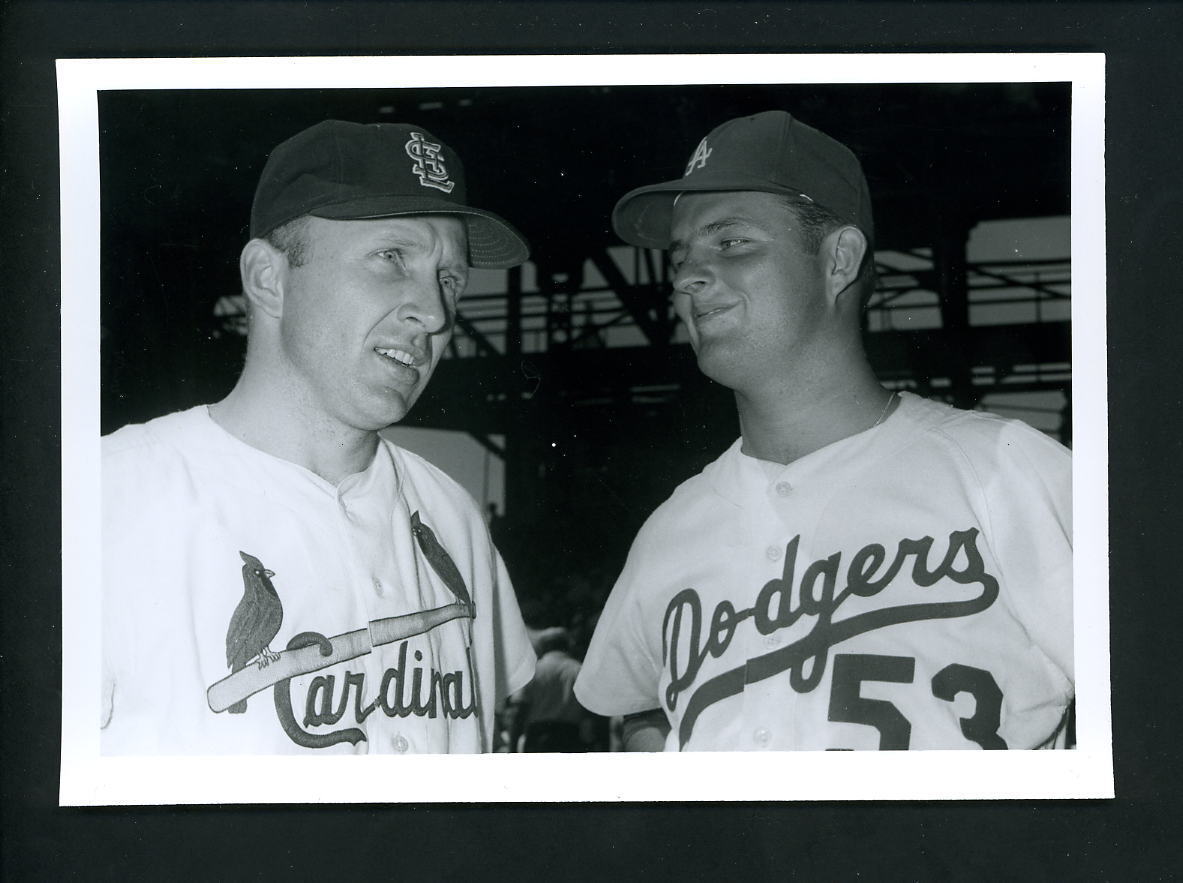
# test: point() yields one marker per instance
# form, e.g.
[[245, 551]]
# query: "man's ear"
[[263, 269], [845, 248]]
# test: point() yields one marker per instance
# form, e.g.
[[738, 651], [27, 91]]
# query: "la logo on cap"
[[428, 165], [701, 154]]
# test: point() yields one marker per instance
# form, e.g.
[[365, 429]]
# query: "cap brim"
[[643, 216], [492, 242]]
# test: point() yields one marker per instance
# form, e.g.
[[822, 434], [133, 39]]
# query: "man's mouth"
[[401, 356], [701, 316], [401, 361]]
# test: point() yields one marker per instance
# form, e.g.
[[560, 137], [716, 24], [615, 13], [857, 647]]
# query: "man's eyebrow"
[[716, 226], [725, 223], [393, 239]]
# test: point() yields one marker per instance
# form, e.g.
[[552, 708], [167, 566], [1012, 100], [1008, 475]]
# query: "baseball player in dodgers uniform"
[[276, 577], [861, 569]]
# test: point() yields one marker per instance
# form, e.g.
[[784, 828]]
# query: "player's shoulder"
[[976, 429], [147, 470], [693, 499], [983, 443], [154, 442], [430, 480]]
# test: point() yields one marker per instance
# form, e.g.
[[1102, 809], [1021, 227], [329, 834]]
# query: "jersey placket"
[[769, 703], [364, 505]]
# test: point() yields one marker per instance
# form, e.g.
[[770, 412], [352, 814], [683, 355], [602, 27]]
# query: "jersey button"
[[783, 488], [761, 737], [773, 553], [401, 744]]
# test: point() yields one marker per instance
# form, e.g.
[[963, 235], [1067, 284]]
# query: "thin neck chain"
[[886, 406]]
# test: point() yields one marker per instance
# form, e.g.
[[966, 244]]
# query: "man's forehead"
[[702, 212], [420, 229], [421, 224]]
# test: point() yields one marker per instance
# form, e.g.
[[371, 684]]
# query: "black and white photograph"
[[584, 428]]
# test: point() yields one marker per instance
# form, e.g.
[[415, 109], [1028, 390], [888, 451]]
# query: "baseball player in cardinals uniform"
[[276, 577], [861, 569]]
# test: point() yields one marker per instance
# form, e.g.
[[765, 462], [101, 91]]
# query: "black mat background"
[[1132, 837]]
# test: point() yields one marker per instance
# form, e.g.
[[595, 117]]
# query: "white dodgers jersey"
[[908, 587]]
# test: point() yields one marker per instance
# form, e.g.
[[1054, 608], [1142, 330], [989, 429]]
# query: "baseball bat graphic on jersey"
[[246, 682]]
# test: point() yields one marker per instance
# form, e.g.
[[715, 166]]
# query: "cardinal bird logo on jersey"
[[439, 559], [255, 622]]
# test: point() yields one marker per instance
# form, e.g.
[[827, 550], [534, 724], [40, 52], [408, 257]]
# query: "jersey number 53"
[[895, 731]]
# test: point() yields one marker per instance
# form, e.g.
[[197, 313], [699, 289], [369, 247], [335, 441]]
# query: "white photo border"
[[89, 779]]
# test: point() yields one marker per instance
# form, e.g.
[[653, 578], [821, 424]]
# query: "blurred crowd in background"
[[544, 716]]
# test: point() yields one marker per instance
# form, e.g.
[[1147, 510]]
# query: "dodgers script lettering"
[[688, 639]]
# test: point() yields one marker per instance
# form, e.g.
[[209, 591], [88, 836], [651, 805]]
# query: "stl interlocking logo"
[[428, 165]]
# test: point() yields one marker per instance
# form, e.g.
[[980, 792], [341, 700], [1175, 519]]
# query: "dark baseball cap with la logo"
[[358, 171], [770, 152]]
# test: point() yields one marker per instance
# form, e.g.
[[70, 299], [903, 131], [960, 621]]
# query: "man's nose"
[[425, 304], [692, 276]]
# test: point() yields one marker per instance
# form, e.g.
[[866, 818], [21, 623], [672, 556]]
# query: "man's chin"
[[713, 359], [396, 416], [390, 412], [723, 368]]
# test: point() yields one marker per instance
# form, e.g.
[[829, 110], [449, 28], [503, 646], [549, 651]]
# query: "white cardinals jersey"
[[251, 607], [906, 587]]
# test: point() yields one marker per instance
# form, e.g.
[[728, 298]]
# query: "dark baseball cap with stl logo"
[[357, 171], [770, 152]]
